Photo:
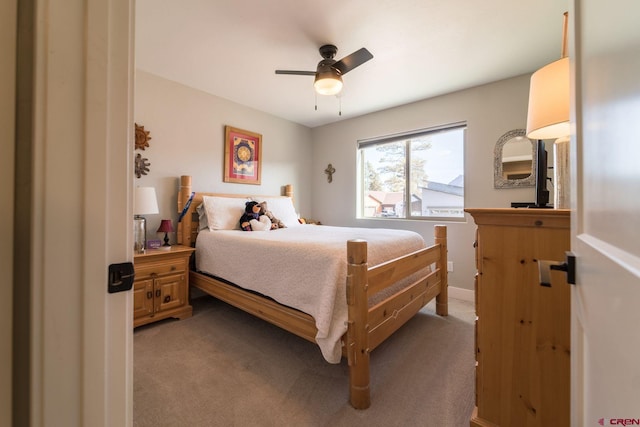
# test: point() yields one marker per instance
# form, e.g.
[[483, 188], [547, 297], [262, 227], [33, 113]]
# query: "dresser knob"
[[167, 299], [149, 295]]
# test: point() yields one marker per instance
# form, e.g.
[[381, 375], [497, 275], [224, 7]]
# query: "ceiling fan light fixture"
[[328, 75], [328, 81]]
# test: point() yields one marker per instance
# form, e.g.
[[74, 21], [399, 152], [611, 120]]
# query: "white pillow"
[[281, 208], [223, 213], [202, 217]]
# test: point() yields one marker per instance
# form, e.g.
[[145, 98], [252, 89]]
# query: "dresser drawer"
[[160, 268]]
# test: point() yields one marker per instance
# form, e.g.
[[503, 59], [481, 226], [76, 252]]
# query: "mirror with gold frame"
[[514, 160]]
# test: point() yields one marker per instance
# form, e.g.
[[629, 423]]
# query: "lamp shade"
[[548, 114], [328, 80], [144, 201], [165, 226]]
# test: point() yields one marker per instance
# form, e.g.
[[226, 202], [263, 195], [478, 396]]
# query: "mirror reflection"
[[514, 160]]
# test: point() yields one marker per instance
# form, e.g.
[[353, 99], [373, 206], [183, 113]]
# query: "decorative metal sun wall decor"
[[142, 138]]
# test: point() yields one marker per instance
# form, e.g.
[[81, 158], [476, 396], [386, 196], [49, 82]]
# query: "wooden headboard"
[[188, 225]]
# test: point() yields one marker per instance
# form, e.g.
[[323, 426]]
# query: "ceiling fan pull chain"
[[316, 94], [340, 106]]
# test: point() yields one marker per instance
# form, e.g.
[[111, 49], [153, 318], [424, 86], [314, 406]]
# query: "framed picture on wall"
[[242, 156]]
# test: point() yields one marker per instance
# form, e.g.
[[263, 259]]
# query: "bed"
[[370, 283]]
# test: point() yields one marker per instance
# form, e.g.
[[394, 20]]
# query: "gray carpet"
[[223, 367]]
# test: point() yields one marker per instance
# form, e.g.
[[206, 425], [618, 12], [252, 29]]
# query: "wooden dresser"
[[522, 328], [161, 285]]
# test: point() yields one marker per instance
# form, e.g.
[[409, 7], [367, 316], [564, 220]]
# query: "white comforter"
[[302, 267]]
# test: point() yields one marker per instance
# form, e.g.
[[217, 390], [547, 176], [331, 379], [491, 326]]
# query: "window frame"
[[407, 196]]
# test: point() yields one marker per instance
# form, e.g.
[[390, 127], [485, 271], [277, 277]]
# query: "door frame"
[[8, 24], [73, 341]]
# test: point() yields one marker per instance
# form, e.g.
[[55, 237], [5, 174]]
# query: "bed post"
[[288, 191], [442, 299], [183, 235], [357, 327]]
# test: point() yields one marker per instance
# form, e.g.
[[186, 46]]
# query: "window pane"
[[437, 174], [425, 168], [384, 180]]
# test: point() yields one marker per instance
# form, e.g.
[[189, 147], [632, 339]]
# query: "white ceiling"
[[421, 48]]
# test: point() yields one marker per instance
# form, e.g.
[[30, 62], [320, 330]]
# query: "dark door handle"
[[120, 277], [568, 266]]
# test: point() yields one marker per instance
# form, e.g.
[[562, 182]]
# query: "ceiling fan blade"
[[352, 61], [297, 73]]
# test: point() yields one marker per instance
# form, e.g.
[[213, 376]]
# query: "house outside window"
[[422, 170]]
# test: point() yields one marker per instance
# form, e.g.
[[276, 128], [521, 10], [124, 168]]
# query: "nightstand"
[[161, 285]]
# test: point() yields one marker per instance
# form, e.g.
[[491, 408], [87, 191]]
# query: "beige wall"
[[489, 110], [187, 131]]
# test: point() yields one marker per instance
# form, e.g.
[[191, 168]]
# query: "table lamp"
[[166, 227], [144, 203]]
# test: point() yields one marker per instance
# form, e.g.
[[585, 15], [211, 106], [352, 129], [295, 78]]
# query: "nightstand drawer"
[[150, 269]]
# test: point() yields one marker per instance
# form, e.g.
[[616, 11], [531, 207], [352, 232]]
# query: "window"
[[422, 170]]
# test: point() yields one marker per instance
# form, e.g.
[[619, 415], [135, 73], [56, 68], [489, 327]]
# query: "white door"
[[74, 184], [606, 220]]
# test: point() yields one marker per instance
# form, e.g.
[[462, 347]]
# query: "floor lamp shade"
[[548, 118], [144, 203], [548, 113]]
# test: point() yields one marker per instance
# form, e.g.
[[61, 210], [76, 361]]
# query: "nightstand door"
[[142, 298], [170, 292]]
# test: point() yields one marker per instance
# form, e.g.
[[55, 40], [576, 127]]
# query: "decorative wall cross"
[[330, 170]]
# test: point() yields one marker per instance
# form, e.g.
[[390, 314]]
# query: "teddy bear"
[[275, 222], [253, 219]]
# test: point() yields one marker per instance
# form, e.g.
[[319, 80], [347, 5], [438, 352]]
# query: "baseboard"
[[462, 294]]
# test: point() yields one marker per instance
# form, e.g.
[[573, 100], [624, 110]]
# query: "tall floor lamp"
[[144, 203], [548, 117]]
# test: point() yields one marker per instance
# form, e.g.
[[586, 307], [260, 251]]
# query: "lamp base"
[[166, 239], [139, 234], [561, 174]]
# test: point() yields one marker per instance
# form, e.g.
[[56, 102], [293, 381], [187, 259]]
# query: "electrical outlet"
[[450, 266]]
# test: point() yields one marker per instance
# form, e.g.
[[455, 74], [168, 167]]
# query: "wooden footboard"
[[367, 327]]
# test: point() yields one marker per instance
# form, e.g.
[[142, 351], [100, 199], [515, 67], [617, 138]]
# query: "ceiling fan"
[[328, 75]]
